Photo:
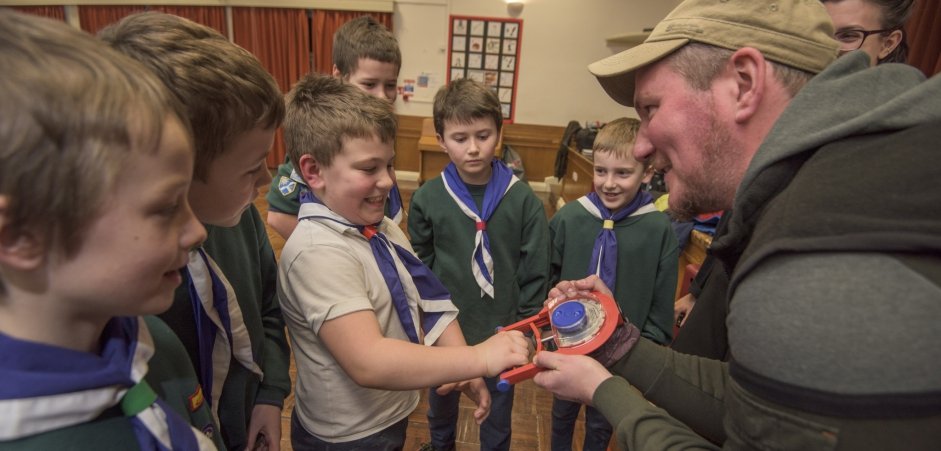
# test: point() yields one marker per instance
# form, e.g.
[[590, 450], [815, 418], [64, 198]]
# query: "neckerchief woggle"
[[46, 388], [411, 284], [604, 255], [501, 180], [394, 212], [220, 327]]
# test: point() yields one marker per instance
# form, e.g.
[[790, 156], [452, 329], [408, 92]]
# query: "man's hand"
[[264, 429], [573, 377], [572, 289], [476, 390]]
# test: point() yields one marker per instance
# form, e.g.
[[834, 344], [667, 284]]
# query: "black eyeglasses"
[[853, 39]]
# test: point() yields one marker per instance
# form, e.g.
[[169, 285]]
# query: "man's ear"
[[19, 249], [311, 171], [750, 73], [890, 43]]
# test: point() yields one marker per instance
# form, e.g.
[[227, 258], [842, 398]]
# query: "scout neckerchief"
[[220, 328], [501, 180], [604, 256], [395, 205], [394, 209], [412, 285], [46, 388]]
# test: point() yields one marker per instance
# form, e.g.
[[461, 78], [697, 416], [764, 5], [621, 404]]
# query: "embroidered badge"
[[196, 399], [286, 186]]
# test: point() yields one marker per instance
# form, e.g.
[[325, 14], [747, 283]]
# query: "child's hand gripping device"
[[579, 326]]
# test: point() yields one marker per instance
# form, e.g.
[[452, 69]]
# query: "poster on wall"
[[487, 49]]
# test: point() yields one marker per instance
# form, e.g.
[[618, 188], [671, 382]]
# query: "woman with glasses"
[[874, 26]]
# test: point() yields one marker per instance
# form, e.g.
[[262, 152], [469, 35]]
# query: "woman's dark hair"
[[894, 15]]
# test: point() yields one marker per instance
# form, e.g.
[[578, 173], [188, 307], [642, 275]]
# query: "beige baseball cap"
[[796, 33]]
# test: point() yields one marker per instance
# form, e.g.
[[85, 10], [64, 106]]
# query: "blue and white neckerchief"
[[501, 180], [412, 286], [220, 328], [604, 255], [395, 210], [46, 388], [395, 205]]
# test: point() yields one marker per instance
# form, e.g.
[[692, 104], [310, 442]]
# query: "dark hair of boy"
[[364, 37], [225, 88], [464, 100], [63, 140], [324, 111]]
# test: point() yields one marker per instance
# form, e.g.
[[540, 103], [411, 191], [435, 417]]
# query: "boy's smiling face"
[[616, 179], [357, 182], [129, 259], [233, 179], [471, 147]]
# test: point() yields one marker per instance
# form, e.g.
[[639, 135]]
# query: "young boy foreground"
[[95, 164], [362, 309]]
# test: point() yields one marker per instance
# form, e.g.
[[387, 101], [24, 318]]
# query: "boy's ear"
[[19, 249], [336, 71], [311, 171], [441, 142]]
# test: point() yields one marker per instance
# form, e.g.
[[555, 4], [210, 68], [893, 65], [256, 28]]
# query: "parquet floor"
[[532, 406]]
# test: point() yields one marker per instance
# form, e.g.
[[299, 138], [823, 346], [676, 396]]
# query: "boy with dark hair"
[[618, 234], [80, 368], [366, 55], [226, 312], [362, 309], [485, 236]]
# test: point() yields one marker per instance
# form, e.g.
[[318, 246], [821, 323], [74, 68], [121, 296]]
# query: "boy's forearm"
[[399, 365], [452, 336], [276, 384]]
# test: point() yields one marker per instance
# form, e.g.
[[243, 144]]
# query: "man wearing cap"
[[833, 243]]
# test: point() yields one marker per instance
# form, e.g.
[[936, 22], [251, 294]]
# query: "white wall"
[[560, 39]]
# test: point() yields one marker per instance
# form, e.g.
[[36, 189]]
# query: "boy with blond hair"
[[366, 55], [369, 323], [226, 312], [485, 235], [618, 234], [80, 367]]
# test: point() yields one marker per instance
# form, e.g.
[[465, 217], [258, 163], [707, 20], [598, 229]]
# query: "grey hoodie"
[[831, 220]]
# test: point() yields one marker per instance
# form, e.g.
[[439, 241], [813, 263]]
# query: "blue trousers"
[[597, 429], [391, 438], [495, 430]]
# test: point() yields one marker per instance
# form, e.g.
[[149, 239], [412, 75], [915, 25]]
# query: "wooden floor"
[[532, 406]]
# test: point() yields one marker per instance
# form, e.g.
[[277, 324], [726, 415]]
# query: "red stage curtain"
[[210, 16], [94, 18], [325, 23], [924, 37], [52, 12], [280, 38]]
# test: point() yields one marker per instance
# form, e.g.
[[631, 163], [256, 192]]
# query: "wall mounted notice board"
[[487, 49]]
